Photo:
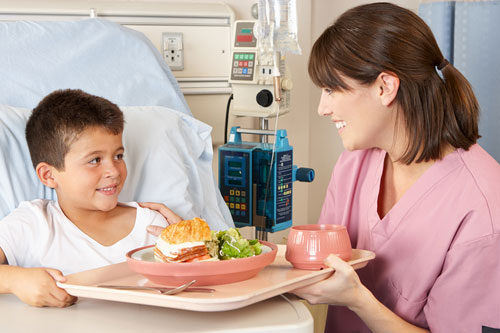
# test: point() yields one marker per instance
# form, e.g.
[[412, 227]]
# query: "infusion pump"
[[251, 76]]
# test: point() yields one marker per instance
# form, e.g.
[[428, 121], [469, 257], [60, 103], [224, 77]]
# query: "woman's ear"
[[388, 87], [45, 173]]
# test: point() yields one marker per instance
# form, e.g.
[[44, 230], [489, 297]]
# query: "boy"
[[75, 142]]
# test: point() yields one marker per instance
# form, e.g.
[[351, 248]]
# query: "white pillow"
[[98, 56], [168, 155]]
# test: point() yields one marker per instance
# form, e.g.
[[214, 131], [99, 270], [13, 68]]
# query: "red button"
[[245, 63], [244, 38]]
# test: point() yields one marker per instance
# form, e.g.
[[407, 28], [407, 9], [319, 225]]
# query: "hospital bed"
[[168, 152], [168, 155]]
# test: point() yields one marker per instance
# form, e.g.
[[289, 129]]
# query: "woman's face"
[[362, 120]]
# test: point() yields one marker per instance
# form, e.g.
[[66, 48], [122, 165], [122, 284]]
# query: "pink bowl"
[[141, 261], [309, 245]]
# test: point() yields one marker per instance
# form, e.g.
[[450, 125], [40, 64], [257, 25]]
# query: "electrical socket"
[[173, 50]]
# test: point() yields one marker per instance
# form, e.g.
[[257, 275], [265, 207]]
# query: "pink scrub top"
[[438, 248]]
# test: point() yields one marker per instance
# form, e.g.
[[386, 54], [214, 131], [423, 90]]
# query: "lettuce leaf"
[[232, 245]]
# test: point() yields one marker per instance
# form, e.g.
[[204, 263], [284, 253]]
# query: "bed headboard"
[[205, 29]]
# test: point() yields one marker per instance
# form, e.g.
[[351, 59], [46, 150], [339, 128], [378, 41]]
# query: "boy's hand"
[[37, 287]]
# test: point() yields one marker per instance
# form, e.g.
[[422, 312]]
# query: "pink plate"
[[206, 273]]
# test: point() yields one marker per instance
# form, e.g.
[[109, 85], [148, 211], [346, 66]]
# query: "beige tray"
[[277, 278]]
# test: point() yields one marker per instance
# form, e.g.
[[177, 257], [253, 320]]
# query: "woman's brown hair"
[[383, 37]]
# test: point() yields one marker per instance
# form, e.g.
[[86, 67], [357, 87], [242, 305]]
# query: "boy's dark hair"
[[370, 39], [61, 117]]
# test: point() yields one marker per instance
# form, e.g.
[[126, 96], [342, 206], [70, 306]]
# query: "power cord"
[[227, 117]]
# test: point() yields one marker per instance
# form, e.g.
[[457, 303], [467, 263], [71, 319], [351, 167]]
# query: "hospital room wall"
[[314, 139], [296, 122]]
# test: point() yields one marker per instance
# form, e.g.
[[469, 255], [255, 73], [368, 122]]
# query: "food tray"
[[277, 278]]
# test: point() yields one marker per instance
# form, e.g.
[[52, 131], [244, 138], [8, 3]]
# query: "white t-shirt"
[[38, 234]]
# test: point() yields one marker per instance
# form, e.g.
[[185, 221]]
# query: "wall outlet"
[[173, 50]]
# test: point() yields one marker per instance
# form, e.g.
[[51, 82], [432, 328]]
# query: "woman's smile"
[[340, 124]]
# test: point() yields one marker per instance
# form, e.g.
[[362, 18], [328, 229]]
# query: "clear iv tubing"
[[277, 78], [268, 181], [277, 95]]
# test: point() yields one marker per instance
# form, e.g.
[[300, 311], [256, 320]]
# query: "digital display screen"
[[234, 173], [234, 182], [234, 164]]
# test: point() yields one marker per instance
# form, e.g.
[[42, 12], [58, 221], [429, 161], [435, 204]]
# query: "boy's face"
[[94, 172]]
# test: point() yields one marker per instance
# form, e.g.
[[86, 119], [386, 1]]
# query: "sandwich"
[[186, 241]]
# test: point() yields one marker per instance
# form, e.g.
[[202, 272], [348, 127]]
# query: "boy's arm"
[[34, 286]]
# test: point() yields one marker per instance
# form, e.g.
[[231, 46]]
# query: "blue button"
[[243, 213], [245, 70], [237, 213]]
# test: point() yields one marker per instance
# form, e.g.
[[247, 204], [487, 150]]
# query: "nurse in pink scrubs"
[[413, 185]]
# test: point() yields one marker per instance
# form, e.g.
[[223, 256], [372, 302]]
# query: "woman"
[[413, 185]]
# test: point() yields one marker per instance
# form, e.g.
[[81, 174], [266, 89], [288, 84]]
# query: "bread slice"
[[195, 230]]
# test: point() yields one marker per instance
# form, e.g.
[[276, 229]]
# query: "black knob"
[[305, 175], [265, 98]]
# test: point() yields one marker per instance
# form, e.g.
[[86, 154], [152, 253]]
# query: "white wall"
[[315, 140], [296, 122]]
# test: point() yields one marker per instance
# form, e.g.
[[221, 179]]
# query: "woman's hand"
[[343, 287], [37, 287], [167, 213]]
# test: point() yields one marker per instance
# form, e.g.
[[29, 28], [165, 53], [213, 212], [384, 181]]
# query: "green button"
[[250, 56], [231, 199], [243, 200], [245, 56], [237, 199], [236, 56]]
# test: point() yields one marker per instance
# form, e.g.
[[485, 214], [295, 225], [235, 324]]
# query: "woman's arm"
[[167, 213], [345, 289]]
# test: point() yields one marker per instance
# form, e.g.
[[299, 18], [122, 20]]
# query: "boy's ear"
[[45, 173], [389, 86]]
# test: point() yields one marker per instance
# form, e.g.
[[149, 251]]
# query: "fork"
[[163, 291], [178, 289]]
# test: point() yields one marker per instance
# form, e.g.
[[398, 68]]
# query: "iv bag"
[[277, 26]]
